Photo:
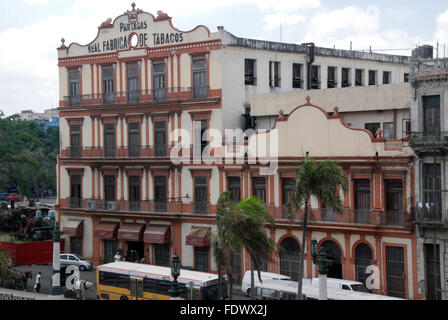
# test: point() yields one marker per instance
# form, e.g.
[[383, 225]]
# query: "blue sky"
[[31, 31]]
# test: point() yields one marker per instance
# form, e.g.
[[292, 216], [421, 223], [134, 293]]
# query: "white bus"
[[287, 290], [135, 281]]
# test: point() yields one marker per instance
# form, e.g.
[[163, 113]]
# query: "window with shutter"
[[200, 89], [160, 138], [133, 83], [134, 139], [108, 85], [159, 81]]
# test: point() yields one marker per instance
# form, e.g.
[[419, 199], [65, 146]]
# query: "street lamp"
[[175, 272], [323, 266], [56, 288]]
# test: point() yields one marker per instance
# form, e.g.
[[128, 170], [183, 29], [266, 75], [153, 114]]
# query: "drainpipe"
[[311, 49]]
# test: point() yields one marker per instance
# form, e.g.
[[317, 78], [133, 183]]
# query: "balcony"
[[137, 97], [429, 142], [200, 207], [75, 152], [428, 215], [356, 217]]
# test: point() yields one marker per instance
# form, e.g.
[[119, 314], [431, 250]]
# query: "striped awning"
[[131, 232], [157, 234], [198, 237], [106, 230], [73, 228]]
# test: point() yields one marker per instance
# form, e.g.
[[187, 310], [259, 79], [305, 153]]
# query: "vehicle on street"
[[136, 281], [3, 195], [342, 284], [287, 290], [12, 197], [71, 259], [246, 283]]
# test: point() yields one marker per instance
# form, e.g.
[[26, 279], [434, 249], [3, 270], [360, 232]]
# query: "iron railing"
[[200, 207], [160, 206], [428, 214], [75, 202], [138, 96], [427, 139]]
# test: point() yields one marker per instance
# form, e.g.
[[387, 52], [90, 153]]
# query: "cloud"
[[34, 2], [442, 28]]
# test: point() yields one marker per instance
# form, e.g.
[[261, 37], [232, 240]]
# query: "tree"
[[323, 181]]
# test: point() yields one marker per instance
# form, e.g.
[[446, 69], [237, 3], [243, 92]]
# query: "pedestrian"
[[38, 282], [117, 257]]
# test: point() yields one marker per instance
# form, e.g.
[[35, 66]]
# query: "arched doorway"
[[289, 258], [363, 259], [333, 253]]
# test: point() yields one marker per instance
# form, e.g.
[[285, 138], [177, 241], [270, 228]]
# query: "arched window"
[[363, 258], [335, 254], [289, 258]]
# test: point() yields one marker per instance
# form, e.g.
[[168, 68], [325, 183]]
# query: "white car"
[[246, 283], [69, 259]]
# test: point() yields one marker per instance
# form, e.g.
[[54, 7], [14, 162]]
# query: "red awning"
[[106, 230], [73, 228], [158, 234], [131, 232], [198, 237]]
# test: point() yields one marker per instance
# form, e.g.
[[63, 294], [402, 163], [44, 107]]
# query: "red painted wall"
[[32, 253]]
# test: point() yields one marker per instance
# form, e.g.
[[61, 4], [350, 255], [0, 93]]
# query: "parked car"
[[3, 195], [68, 259], [12, 196], [342, 284], [246, 283]]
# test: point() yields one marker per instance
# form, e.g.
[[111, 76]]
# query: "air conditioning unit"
[[91, 205], [111, 205]]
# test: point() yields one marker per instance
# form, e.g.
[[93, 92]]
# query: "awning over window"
[[157, 234], [131, 232], [106, 230], [198, 237], [73, 228]]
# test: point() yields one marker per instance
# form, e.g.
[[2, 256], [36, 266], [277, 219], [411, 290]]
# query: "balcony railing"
[[200, 207], [431, 215], [138, 96], [428, 139], [160, 206], [75, 152], [75, 202], [134, 151]]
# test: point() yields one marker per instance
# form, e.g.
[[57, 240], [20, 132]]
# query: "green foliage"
[[28, 155]]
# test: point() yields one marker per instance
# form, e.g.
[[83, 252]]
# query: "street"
[[90, 276]]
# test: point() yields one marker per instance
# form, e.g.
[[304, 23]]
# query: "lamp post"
[[175, 272], [323, 265], [56, 289]]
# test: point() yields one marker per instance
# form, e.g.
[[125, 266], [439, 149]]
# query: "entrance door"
[[135, 251], [395, 272], [289, 258], [110, 248], [432, 268], [136, 286], [363, 259], [335, 254]]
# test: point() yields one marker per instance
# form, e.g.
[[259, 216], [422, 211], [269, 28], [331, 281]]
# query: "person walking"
[[38, 282]]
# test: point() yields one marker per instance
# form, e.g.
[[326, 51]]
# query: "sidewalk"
[[7, 294]]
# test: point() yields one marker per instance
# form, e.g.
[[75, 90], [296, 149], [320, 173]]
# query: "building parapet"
[[421, 69]]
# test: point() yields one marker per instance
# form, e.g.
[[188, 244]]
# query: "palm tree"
[[242, 225], [322, 181]]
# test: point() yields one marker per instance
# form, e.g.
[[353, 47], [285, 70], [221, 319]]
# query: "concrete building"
[[429, 139], [49, 117], [119, 186]]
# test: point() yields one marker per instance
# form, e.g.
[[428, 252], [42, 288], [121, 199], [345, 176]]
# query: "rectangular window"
[[288, 187], [75, 191], [432, 189], [297, 76], [235, 189], [359, 81], [133, 83], [162, 255], [331, 82], [76, 245], [345, 78], [201, 258], [160, 139], [389, 130], [75, 140], [134, 193], [134, 139], [387, 75], [109, 140], [160, 197], [75, 87], [373, 127], [110, 248], [259, 188], [201, 194], [315, 77], [274, 74], [249, 72], [362, 201], [108, 85], [431, 115], [394, 203], [200, 138], [432, 270], [406, 77], [372, 77], [109, 188], [200, 89], [159, 81]]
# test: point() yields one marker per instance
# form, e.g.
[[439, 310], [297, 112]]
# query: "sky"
[[31, 30]]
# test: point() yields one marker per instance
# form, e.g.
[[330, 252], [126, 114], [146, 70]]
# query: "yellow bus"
[[134, 281]]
